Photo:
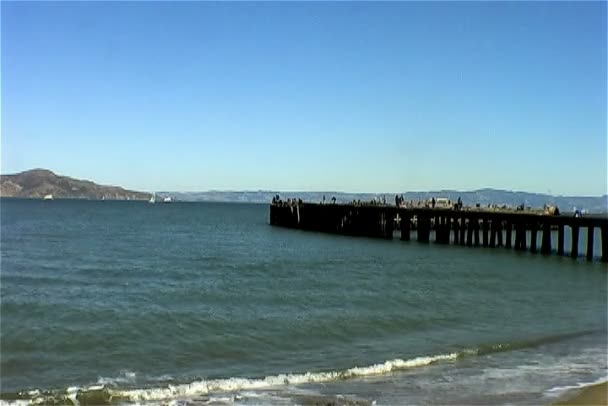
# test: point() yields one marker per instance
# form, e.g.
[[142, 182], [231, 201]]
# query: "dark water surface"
[[197, 302]]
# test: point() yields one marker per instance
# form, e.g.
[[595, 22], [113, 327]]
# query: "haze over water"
[[199, 302]]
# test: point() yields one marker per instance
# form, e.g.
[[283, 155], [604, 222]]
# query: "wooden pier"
[[472, 228]]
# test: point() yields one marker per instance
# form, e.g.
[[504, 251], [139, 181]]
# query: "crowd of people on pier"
[[432, 203], [276, 201], [379, 201]]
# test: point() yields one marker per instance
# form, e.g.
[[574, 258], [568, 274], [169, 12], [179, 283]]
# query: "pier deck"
[[473, 227]]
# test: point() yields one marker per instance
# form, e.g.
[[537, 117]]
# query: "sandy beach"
[[590, 396]]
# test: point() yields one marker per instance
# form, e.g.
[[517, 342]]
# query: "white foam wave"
[[19, 402], [124, 377], [162, 378], [560, 390], [204, 387]]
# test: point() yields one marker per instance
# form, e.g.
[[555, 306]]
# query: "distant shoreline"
[[86, 199], [83, 199]]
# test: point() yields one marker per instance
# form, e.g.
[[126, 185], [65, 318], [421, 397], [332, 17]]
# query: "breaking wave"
[[106, 391]]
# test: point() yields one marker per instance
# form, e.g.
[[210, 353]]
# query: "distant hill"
[[37, 183], [595, 204]]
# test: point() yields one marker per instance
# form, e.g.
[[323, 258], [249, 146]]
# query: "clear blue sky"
[[341, 96]]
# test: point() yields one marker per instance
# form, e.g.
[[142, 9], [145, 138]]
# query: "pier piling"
[[590, 233], [424, 229], [545, 248], [520, 237], [470, 233], [406, 222], [485, 232], [574, 247], [499, 232], [493, 233], [560, 240], [605, 243], [463, 230], [533, 237]]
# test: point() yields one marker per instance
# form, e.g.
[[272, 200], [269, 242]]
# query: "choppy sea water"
[[199, 303]]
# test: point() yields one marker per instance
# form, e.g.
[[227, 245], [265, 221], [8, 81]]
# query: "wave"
[[104, 394], [558, 391], [106, 391], [124, 377], [205, 387]]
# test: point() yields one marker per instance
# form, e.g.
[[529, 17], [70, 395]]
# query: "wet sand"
[[590, 396]]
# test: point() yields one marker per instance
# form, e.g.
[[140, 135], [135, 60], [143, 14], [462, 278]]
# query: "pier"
[[469, 227]]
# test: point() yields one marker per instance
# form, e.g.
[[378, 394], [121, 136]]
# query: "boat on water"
[[167, 199], [48, 197], [152, 199]]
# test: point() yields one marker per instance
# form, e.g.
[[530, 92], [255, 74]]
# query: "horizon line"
[[374, 193]]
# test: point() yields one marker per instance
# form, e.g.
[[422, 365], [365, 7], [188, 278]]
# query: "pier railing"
[[473, 228]]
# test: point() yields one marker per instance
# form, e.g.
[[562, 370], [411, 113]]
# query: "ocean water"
[[200, 303]]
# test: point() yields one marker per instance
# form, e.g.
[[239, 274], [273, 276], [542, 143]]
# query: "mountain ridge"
[[36, 183]]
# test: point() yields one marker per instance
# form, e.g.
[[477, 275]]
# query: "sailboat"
[[152, 199]]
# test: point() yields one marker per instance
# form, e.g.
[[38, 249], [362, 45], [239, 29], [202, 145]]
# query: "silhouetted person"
[[433, 203]]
